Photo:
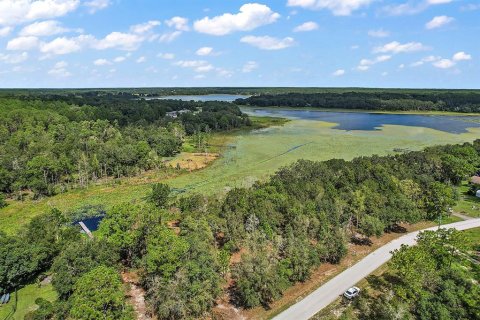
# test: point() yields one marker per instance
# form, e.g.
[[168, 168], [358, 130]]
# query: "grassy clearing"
[[468, 204], [246, 156], [473, 238], [26, 300]]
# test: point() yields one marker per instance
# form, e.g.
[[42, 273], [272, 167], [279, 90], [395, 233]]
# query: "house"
[[478, 194], [175, 114], [475, 180]]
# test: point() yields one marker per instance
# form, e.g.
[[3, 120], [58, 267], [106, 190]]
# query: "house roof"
[[475, 180]]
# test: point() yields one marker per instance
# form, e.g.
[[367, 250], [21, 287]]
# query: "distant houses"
[[475, 183], [175, 114]]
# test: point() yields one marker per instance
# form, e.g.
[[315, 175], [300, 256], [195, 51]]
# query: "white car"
[[351, 293]]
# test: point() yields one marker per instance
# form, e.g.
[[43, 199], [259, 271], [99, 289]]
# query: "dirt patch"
[[136, 296], [192, 161]]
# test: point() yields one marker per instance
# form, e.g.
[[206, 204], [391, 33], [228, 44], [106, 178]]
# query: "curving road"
[[326, 294]]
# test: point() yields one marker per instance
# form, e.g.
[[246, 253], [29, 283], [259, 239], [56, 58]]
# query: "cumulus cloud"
[[397, 47], [410, 8], [365, 64], [425, 60], [338, 73], [444, 64], [178, 23], [14, 12], [380, 33], [141, 60], [96, 5], [337, 7], [59, 70], [119, 40], [119, 59], [268, 43], [5, 31], [205, 51], [23, 43], [61, 46], [14, 58], [145, 27], [461, 56], [250, 66], [170, 36], [200, 66], [43, 29], [101, 62], [251, 16], [166, 56], [307, 26], [438, 22]]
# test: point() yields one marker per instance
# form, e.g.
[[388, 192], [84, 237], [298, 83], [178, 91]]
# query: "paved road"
[[326, 294]]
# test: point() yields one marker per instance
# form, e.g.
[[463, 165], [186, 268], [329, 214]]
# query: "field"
[[468, 204], [26, 300], [245, 158]]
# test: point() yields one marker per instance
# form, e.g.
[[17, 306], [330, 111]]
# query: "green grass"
[[248, 157], [26, 300], [468, 205], [473, 237]]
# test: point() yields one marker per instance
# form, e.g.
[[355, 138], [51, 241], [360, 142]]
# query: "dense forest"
[[51, 144], [454, 101], [182, 248], [434, 280]]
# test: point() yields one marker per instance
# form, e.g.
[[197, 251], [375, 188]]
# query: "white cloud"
[[205, 51], [338, 73], [397, 47], [380, 33], [410, 8], [119, 40], [251, 16], [141, 60], [102, 62], [145, 27], [444, 64], [170, 36], [5, 31], [96, 5], [307, 26], [14, 58], [14, 12], [338, 7], [166, 56], [197, 65], [250, 66], [178, 23], [438, 22], [59, 70], [60, 46], [119, 59], [42, 29], [461, 56], [268, 43], [23, 43], [365, 64], [425, 60]]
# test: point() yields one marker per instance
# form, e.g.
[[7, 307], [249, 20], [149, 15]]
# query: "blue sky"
[[328, 43]]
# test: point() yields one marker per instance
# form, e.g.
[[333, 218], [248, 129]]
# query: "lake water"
[[203, 98], [351, 121]]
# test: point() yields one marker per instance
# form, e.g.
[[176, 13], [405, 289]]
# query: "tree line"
[[454, 101], [48, 145], [184, 248]]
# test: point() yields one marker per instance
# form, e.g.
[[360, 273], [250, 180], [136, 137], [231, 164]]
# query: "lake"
[[366, 121], [203, 98]]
